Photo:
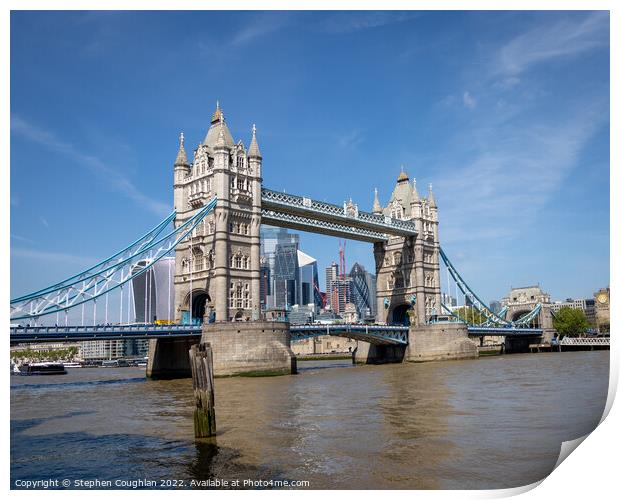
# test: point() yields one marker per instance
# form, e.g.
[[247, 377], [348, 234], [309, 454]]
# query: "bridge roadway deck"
[[36, 334], [377, 334], [22, 335], [481, 331]]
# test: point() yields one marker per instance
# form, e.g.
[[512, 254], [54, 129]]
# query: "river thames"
[[495, 422]]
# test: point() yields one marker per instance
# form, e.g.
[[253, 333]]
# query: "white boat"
[[73, 365]]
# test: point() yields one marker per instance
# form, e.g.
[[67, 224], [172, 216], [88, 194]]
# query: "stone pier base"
[[522, 344], [169, 358], [548, 335], [442, 341], [252, 348], [366, 353]]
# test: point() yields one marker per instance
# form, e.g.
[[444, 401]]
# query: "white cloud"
[[468, 100], [350, 140], [21, 238], [52, 257], [563, 39], [356, 21], [114, 179], [512, 157], [259, 26], [516, 170], [44, 221]]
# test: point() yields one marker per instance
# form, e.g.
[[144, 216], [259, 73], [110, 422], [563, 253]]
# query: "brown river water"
[[495, 422]]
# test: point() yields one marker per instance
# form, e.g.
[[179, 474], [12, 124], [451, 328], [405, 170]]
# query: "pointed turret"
[[376, 206], [402, 177], [217, 114], [415, 196], [254, 151], [181, 160], [181, 171], [221, 139], [218, 124], [431, 198]]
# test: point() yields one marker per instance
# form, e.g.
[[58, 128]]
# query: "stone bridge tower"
[[521, 300], [408, 268], [217, 269]]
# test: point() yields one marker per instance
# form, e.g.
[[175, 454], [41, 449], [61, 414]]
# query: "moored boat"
[[42, 369]]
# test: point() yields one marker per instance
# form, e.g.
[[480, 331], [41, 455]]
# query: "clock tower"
[[602, 310]]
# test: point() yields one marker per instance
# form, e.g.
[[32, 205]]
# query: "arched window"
[[398, 258], [399, 281]]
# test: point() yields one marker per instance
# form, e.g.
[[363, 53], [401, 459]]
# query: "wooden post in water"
[[201, 361]]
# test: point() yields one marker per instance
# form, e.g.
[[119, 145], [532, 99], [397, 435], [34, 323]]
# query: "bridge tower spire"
[[181, 171], [376, 206], [254, 151], [255, 165], [408, 267]]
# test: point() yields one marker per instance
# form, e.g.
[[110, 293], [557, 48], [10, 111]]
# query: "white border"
[[589, 472]]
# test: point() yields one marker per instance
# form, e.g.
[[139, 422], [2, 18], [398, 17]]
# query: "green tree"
[[470, 315], [570, 322]]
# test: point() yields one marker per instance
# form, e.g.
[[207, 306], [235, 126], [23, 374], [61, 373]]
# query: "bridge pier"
[[168, 358], [374, 354], [439, 342], [250, 348], [521, 344]]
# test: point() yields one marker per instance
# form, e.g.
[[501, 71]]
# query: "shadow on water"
[[308, 366], [79, 384], [127, 457]]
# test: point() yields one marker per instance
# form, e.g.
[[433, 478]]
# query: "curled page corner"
[[567, 448]]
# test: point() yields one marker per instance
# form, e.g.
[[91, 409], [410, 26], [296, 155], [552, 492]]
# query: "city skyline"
[[508, 129]]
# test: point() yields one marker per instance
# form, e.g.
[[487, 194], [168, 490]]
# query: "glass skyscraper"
[[288, 275]]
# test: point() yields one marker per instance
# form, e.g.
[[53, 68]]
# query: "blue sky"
[[506, 113]]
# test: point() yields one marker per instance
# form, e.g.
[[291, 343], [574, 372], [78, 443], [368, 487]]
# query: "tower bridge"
[[219, 206]]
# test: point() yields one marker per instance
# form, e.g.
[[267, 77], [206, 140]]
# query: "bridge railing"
[[390, 334], [592, 341], [103, 328]]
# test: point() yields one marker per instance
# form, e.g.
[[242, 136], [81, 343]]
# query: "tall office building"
[[308, 289], [153, 290], [363, 288], [332, 275], [340, 294], [288, 275]]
